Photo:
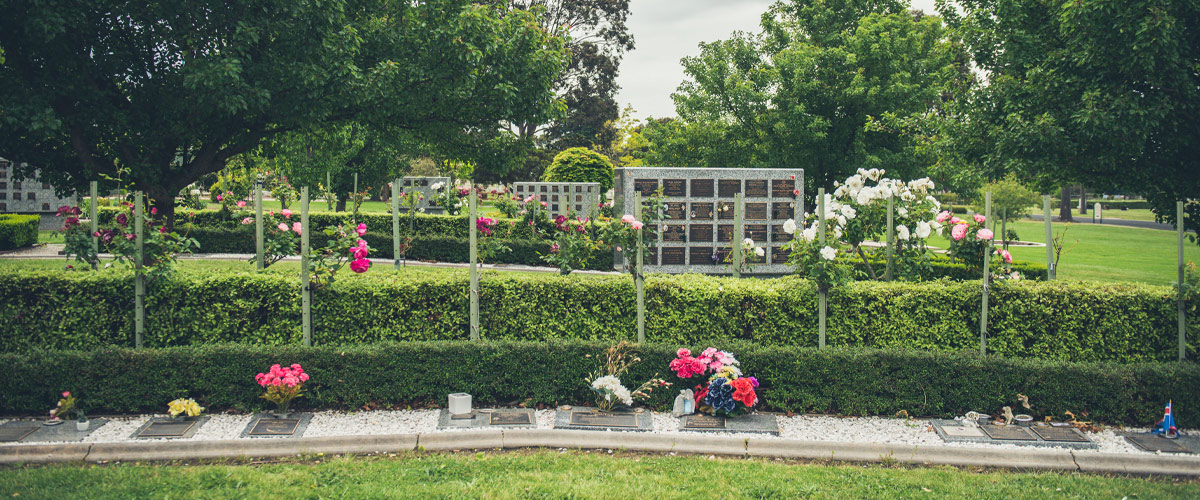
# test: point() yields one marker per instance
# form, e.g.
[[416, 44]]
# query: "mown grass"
[[569, 474]]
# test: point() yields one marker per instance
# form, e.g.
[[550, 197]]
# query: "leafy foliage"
[[581, 165], [18, 231]]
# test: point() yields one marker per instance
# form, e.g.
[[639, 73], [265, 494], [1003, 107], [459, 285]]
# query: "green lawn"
[[551, 474]]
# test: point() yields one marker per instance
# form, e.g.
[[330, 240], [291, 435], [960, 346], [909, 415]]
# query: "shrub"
[[581, 165], [794, 379], [18, 231], [1079, 321]]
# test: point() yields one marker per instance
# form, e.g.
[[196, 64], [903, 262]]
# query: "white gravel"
[[895, 431]]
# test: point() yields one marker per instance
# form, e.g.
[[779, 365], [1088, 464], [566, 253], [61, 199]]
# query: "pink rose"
[[360, 266], [241, 204], [163, 229], [956, 220], [286, 212], [958, 232], [220, 198], [628, 219], [980, 219], [1004, 254], [683, 352], [796, 192], [296, 227], [66, 394], [282, 226], [943, 216], [984, 234], [246, 220], [362, 229], [153, 211], [359, 252], [710, 352], [637, 224]]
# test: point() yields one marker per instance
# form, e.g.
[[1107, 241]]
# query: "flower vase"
[[281, 411], [82, 425]]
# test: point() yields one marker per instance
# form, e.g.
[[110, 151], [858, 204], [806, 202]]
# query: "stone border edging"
[[1115, 463]]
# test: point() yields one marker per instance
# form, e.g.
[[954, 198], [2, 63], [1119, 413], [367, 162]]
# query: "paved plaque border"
[[1153, 442], [1048, 433], [301, 425], [19, 431], [1037, 441], [191, 431], [576, 198], [482, 418], [752, 423], [563, 419], [64, 432], [421, 185], [716, 186]]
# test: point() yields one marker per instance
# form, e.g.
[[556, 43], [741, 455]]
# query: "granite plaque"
[[700, 421], [782, 211], [675, 211], [675, 188], [702, 188], [701, 233], [1008, 433], [754, 423], [275, 427], [646, 187], [674, 233], [702, 211], [779, 255], [1066, 434], [701, 255], [604, 419], [783, 188], [755, 211], [756, 188], [166, 429], [726, 188], [510, 418], [725, 232], [12, 434], [962, 431], [756, 232], [673, 256], [1154, 442], [778, 235]]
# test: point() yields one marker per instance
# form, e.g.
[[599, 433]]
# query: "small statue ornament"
[[685, 403]]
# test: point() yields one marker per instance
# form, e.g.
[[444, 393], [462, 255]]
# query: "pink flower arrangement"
[[283, 384], [959, 231], [984, 234]]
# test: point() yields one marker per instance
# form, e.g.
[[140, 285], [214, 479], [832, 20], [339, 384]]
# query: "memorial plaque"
[[673, 256], [756, 232], [722, 255], [674, 187], [275, 427], [756, 211], [1064, 434], [645, 186], [651, 257], [701, 256], [783, 211], [12, 434], [783, 188], [778, 235], [702, 188], [756, 188], [423, 185], [510, 418], [962, 431], [779, 255], [725, 210], [1153, 442], [702, 211], [726, 188], [675, 211], [701, 233], [674, 233], [166, 429], [545, 189], [1008, 433], [601, 419], [700, 421], [725, 232]]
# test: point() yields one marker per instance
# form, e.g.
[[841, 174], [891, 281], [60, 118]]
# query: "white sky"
[[666, 31]]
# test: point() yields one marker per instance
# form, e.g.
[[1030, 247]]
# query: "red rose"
[[701, 391]]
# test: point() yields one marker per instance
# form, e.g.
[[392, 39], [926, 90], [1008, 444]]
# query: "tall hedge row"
[[1078, 321], [794, 379], [18, 231]]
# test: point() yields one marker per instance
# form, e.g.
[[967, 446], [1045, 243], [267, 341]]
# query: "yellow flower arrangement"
[[184, 406]]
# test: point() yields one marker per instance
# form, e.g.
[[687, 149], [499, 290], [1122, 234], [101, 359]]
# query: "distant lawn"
[[551, 474]]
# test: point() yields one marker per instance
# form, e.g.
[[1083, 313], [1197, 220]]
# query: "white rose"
[[902, 232], [923, 229], [849, 211], [789, 227], [864, 196], [828, 253], [809, 233], [759, 251], [841, 220], [902, 211], [837, 232]]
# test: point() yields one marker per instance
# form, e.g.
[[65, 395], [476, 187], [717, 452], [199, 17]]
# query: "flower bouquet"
[[606, 380], [188, 408], [283, 384], [66, 407], [727, 392]]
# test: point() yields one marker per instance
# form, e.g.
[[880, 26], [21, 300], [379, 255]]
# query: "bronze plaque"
[[725, 232], [722, 255], [702, 211], [674, 187], [704, 422], [1008, 432], [645, 186], [700, 232], [779, 255], [756, 189], [701, 256], [702, 188], [783, 188], [778, 235], [675, 211], [510, 418], [673, 256], [651, 256], [783, 211], [599, 419], [275, 427], [166, 429], [726, 188], [12, 434], [756, 232], [1153, 442], [674, 233], [1062, 434], [725, 210], [756, 211]]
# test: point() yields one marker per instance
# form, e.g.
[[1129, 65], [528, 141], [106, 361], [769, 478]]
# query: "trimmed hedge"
[[843, 381], [1080, 321], [945, 267], [18, 231]]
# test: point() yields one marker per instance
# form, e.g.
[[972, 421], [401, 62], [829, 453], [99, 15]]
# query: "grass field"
[[577, 475]]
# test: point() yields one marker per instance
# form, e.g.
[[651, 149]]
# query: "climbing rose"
[[360, 265], [296, 227], [958, 232], [980, 219], [637, 224], [241, 204], [628, 219], [984, 234], [362, 229]]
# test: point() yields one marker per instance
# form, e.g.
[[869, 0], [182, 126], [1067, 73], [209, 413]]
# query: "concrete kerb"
[[1044, 459]]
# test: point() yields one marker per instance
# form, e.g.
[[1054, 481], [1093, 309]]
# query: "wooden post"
[[821, 293], [258, 223], [139, 283], [1049, 238], [739, 256], [638, 281], [891, 236], [354, 196], [474, 264], [305, 275], [329, 190], [987, 268], [1182, 310], [95, 215], [396, 223]]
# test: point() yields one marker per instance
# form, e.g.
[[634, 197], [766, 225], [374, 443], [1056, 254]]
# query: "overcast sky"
[[666, 31]]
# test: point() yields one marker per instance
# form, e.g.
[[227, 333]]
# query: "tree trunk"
[[341, 204], [1082, 200], [164, 206], [1064, 204]]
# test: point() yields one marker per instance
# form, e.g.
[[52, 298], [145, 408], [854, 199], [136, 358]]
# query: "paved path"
[[1112, 221]]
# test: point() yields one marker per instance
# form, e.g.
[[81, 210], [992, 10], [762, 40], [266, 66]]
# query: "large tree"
[[168, 91], [826, 86], [1085, 91]]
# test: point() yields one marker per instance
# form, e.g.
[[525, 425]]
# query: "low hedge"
[[1080, 321], [423, 224], [18, 231], [420, 374], [945, 267]]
